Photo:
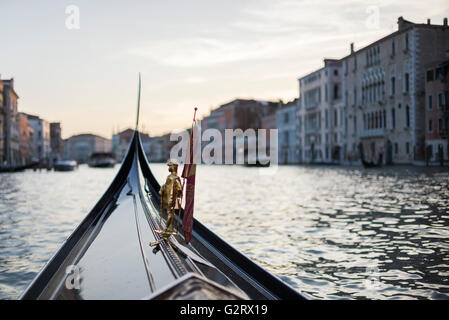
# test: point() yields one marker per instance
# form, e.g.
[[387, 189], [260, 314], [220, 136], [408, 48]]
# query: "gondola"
[[109, 256]]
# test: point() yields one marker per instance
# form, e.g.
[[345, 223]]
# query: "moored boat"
[[65, 165], [101, 160]]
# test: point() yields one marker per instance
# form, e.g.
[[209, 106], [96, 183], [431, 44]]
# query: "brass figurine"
[[170, 193]]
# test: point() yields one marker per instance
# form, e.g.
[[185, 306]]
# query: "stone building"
[[2, 124], [383, 93], [240, 114], [56, 141], [319, 121], [10, 126], [80, 147], [286, 123], [26, 139], [121, 140], [41, 138], [437, 112]]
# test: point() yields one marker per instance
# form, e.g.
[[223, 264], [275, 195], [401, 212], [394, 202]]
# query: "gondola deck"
[[108, 255]]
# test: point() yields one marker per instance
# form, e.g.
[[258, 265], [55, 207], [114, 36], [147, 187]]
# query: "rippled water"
[[330, 232]]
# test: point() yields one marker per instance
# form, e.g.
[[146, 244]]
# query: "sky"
[[196, 53]]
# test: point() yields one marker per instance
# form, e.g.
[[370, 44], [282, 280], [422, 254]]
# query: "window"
[[336, 91], [336, 72], [326, 115], [406, 41], [407, 116], [396, 148], [407, 148], [335, 117], [430, 126], [325, 93], [286, 117], [393, 48], [355, 95], [406, 83], [393, 86], [393, 118], [385, 119], [355, 124], [440, 100], [430, 102], [440, 124], [429, 75]]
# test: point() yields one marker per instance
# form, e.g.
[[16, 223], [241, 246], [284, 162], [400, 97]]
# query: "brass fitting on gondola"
[[171, 193]]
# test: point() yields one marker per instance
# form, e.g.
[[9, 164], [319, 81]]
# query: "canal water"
[[330, 232]]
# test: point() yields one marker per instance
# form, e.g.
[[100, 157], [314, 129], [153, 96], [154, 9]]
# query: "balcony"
[[444, 134], [311, 130], [311, 106], [373, 133]]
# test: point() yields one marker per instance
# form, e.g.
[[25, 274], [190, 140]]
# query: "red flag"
[[188, 173]]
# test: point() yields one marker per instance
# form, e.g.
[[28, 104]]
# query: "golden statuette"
[[171, 193]]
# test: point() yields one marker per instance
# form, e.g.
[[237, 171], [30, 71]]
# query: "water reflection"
[[331, 232]]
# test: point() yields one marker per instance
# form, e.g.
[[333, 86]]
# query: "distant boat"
[[101, 160], [65, 165], [18, 168]]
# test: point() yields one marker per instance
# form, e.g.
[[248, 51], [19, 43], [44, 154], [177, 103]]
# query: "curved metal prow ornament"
[[138, 106]]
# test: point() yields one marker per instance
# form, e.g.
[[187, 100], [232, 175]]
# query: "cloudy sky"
[[191, 53]]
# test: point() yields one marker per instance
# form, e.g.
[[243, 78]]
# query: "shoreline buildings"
[[380, 111], [80, 147]]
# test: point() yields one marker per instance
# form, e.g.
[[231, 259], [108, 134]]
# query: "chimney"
[[352, 47], [445, 22], [428, 21]]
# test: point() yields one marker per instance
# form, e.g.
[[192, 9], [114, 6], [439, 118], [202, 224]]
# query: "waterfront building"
[[240, 114], [41, 138], [383, 93], [2, 122], [286, 123], [9, 120], [319, 121], [80, 147], [26, 139], [120, 143], [56, 141], [437, 112], [156, 152]]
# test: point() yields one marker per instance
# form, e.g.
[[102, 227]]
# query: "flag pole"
[[184, 179]]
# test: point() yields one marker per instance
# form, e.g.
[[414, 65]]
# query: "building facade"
[[319, 121], [56, 141], [80, 147], [26, 139], [11, 136], [286, 123], [41, 139], [383, 93], [2, 124], [437, 112]]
